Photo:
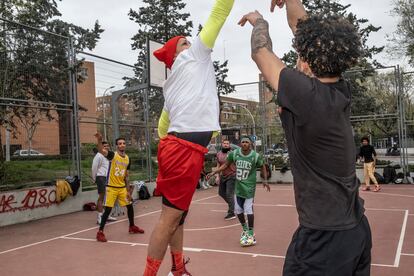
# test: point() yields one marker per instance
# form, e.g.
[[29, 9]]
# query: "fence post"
[[147, 110], [75, 116]]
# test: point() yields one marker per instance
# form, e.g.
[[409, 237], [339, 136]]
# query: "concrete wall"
[[31, 204]]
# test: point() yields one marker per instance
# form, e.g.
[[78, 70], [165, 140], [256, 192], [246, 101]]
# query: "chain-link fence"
[[37, 99], [114, 106], [52, 102]]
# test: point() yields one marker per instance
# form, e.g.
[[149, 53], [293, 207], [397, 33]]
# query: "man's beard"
[[225, 150]]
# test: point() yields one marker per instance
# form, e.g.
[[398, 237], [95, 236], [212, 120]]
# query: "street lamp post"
[[254, 123], [104, 110]]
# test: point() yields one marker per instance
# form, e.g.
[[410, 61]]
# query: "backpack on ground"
[[399, 179], [389, 174], [143, 192], [74, 183], [380, 179]]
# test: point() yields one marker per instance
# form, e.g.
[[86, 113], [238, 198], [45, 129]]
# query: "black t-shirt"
[[315, 117], [367, 151]]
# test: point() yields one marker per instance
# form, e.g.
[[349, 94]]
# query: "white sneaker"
[[98, 218], [184, 274], [111, 218]]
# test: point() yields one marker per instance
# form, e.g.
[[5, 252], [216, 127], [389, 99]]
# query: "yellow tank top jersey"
[[117, 171]]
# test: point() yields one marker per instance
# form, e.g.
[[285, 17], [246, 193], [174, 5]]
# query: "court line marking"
[[191, 249], [255, 204], [211, 228], [94, 240], [382, 193], [290, 205], [200, 250], [407, 254], [384, 265], [89, 229], [219, 211], [401, 241]]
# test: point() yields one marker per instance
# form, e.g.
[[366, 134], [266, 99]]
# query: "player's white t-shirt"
[[190, 92]]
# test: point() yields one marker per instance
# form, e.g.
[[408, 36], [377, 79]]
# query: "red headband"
[[166, 54]]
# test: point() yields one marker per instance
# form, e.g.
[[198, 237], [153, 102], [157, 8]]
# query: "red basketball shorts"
[[179, 166]]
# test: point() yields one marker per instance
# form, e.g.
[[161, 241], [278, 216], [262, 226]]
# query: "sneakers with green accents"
[[243, 238], [248, 240]]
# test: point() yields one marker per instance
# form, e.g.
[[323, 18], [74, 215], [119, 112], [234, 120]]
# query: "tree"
[[403, 38], [30, 120], [362, 103], [35, 65], [160, 20]]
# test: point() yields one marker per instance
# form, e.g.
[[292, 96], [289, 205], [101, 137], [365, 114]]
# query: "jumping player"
[[117, 185], [190, 117], [246, 161], [334, 237]]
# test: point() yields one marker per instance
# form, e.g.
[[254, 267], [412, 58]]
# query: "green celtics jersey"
[[246, 171]]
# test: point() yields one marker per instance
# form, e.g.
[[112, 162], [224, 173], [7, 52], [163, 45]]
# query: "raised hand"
[[274, 3], [251, 17], [98, 136]]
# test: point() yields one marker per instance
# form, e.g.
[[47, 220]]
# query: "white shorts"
[[243, 205]]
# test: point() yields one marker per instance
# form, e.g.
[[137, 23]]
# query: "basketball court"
[[65, 245]]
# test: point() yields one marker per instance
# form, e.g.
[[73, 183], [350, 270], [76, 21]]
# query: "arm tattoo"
[[260, 36]]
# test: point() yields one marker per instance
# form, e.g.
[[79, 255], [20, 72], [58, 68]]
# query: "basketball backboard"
[[158, 71]]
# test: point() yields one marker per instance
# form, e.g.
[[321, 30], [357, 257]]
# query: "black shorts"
[[101, 183], [330, 253], [166, 202]]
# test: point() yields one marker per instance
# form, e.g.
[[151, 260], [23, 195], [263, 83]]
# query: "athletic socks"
[[250, 231], [152, 266], [245, 227], [104, 217], [177, 261], [130, 209]]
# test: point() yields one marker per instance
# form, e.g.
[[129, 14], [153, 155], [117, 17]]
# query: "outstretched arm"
[[163, 124], [219, 169], [99, 145], [262, 48], [215, 22], [294, 11]]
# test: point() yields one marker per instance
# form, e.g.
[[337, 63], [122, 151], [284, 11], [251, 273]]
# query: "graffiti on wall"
[[24, 200]]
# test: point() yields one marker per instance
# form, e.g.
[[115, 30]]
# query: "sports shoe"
[[111, 218], [181, 273], [249, 241], [243, 238], [135, 230], [100, 236], [98, 218], [230, 216]]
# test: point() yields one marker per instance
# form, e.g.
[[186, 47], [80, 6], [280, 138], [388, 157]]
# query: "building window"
[[84, 73]]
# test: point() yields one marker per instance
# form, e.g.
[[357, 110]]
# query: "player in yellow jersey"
[[117, 187]]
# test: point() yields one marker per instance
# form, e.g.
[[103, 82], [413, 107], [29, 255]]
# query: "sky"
[[232, 44]]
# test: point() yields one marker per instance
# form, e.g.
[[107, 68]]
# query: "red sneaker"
[[100, 236], [135, 230], [184, 272]]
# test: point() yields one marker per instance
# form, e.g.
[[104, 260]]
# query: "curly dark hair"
[[329, 44]]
